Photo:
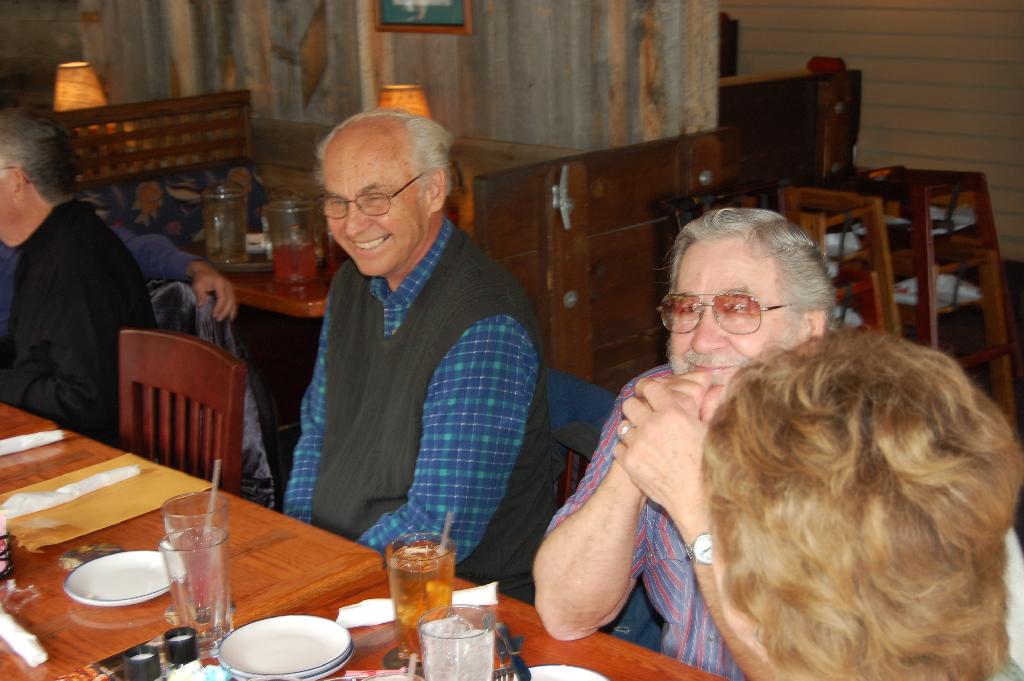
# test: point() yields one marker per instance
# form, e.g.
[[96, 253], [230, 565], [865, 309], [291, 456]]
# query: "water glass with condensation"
[[192, 510], [457, 643], [197, 566]]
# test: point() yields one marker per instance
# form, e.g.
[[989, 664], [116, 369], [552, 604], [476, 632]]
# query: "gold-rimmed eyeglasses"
[[371, 204], [736, 313]]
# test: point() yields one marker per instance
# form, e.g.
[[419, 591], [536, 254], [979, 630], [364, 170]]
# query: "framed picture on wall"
[[424, 16]]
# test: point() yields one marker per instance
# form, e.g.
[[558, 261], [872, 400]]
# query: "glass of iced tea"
[[420, 575]]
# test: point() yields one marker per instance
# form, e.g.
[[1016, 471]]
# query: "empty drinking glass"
[[197, 566], [192, 509]]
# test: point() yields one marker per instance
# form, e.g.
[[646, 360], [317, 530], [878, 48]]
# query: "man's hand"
[[662, 451], [206, 280]]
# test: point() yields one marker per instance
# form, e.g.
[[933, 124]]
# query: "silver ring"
[[625, 428]]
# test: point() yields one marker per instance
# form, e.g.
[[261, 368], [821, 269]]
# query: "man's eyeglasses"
[[371, 204], [736, 313]]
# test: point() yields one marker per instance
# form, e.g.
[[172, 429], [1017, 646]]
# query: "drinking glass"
[[293, 235], [224, 222], [197, 566], [192, 510], [420, 575], [458, 643]]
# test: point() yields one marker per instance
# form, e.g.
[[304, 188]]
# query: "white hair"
[[429, 141], [802, 268]]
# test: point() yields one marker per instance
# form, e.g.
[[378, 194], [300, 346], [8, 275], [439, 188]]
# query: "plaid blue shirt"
[[474, 418], [659, 557]]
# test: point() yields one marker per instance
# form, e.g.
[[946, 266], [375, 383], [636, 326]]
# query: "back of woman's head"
[[861, 488]]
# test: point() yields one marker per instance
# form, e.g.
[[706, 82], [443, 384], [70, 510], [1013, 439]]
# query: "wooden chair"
[[181, 403], [824, 211], [932, 248]]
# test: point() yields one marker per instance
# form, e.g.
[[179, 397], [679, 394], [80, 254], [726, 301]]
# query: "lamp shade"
[[406, 97], [77, 87]]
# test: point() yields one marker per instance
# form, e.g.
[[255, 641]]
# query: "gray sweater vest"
[[376, 387]]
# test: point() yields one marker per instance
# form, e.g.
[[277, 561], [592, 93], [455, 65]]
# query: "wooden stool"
[[823, 211], [936, 246]]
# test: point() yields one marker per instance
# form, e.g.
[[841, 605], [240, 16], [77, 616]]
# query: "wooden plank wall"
[[35, 36], [585, 74], [943, 81]]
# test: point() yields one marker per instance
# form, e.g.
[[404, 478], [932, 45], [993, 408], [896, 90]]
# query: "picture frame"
[[425, 16]]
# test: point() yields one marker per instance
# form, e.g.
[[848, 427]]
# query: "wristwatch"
[[700, 549]]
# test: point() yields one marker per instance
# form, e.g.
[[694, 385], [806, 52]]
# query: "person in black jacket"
[[75, 285]]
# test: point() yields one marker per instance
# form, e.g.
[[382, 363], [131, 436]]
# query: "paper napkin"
[[19, 443], [379, 610], [30, 502], [21, 641]]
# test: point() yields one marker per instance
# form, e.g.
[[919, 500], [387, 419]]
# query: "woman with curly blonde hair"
[[860, 490]]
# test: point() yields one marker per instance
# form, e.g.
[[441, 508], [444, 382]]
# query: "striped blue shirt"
[[659, 556], [473, 421]]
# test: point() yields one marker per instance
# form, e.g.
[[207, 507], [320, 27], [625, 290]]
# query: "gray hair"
[[803, 272], [41, 148], [430, 142]]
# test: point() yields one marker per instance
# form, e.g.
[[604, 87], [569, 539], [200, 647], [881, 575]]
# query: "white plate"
[[119, 579], [311, 676], [318, 673], [562, 672], [296, 645]]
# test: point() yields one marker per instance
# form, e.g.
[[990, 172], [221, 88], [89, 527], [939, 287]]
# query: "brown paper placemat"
[[105, 507]]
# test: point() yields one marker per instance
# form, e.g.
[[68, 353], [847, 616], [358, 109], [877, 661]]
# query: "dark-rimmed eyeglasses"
[[736, 313], [371, 203]]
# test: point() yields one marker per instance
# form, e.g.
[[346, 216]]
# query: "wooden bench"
[[145, 139]]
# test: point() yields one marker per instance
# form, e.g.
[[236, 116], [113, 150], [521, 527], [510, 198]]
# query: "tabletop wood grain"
[[17, 422], [277, 563], [613, 657], [259, 290]]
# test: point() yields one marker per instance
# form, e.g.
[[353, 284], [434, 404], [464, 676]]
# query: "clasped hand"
[[662, 451]]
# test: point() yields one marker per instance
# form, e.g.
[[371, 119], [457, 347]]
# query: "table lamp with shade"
[[77, 87], [405, 97]]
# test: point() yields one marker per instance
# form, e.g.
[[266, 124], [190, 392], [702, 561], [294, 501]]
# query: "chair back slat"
[[182, 403], [180, 428], [165, 434], [146, 415], [195, 428]]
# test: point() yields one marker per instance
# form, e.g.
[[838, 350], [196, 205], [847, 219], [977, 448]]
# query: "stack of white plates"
[[302, 646]]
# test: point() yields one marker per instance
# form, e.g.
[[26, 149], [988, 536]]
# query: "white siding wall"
[[943, 81]]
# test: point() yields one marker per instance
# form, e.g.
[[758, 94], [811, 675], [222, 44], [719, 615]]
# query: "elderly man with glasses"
[[744, 281], [428, 393]]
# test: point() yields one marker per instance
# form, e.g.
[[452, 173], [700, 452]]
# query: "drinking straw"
[[410, 674], [448, 518], [214, 483]]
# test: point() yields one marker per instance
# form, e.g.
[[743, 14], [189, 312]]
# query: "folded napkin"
[[102, 508], [23, 503], [380, 610], [21, 641], [19, 443]]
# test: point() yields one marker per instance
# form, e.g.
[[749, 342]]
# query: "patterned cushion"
[[172, 204]]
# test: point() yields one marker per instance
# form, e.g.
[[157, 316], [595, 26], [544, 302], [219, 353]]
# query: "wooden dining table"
[[278, 566], [277, 563], [259, 290], [607, 655]]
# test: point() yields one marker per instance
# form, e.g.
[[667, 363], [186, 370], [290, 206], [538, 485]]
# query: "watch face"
[[702, 549]]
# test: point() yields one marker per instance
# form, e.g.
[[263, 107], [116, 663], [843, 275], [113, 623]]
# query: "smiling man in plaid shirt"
[[428, 393], [744, 280]]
